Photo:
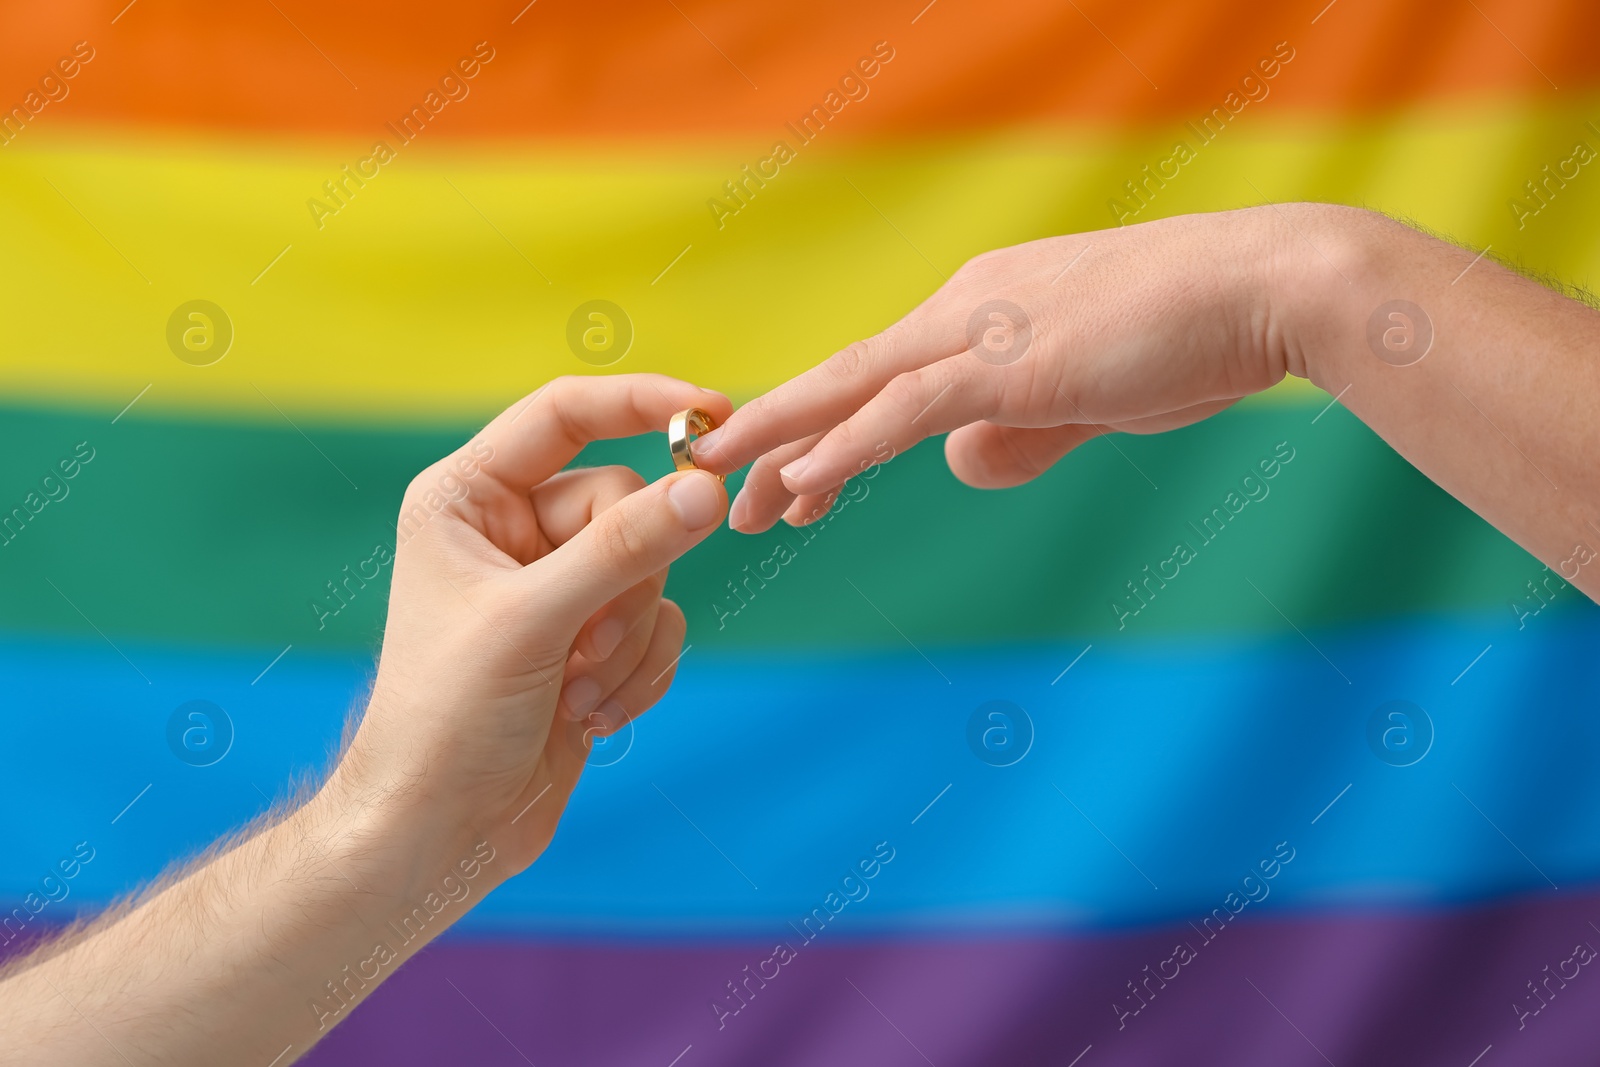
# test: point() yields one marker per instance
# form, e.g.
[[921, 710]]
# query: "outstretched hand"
[[1024, 354]]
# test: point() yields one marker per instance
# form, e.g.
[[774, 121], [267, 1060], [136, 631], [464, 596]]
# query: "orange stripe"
[[574, 69]]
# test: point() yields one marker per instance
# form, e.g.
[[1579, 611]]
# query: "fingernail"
[[740, 510], [703, 446], [581, 695], [797, 468], [607, 636], [697, 500], [613, 715]]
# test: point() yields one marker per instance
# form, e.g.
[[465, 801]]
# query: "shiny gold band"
[[684, 424]]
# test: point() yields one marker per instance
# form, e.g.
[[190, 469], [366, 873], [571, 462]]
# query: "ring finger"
[[587, 682], [649, 680]]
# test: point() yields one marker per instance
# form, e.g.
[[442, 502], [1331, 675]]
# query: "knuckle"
[[622, 540], [552, 396], [754, 410], [764, 471], [897, 336], [742, 429], [852, 361], [904, 396], [421, 485], [847, 436], [981, 266], [559, 396]]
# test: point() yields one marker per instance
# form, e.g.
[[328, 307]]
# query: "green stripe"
[[219, 532]]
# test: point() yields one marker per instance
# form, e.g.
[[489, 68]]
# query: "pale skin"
[[1152, 327], [502, 604], [508, 600]]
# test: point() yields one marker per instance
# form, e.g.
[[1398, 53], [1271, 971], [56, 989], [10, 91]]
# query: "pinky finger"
[[649, 681]]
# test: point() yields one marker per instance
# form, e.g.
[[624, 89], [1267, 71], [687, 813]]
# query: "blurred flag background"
[[1330, 795]]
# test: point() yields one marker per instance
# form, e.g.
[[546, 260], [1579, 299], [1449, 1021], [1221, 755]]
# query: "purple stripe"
[[1354, 990]]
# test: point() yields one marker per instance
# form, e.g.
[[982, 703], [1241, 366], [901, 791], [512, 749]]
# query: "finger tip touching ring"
[[684, 429]]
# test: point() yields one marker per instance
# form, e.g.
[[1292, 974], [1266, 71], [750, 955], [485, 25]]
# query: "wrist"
[[1325, 266], [288, 930], [404, 841], [300, 923]]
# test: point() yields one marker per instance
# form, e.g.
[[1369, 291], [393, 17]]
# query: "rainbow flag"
[[945, 779]]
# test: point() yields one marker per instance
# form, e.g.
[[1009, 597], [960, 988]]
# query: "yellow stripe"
[[409, 304]]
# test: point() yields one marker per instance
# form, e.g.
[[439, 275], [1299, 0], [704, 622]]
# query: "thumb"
[[636, 537]]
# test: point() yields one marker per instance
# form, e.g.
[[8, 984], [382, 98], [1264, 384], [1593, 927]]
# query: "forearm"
[[1503, 411], [465, 758], [252, 957]]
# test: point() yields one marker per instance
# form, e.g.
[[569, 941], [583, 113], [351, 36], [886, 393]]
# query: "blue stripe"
[[1176, 765]]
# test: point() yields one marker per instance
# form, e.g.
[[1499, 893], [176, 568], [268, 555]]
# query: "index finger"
[[827, 394], [540, 434]]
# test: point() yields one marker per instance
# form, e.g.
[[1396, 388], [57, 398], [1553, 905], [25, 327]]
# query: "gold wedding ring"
[[684, 424]]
